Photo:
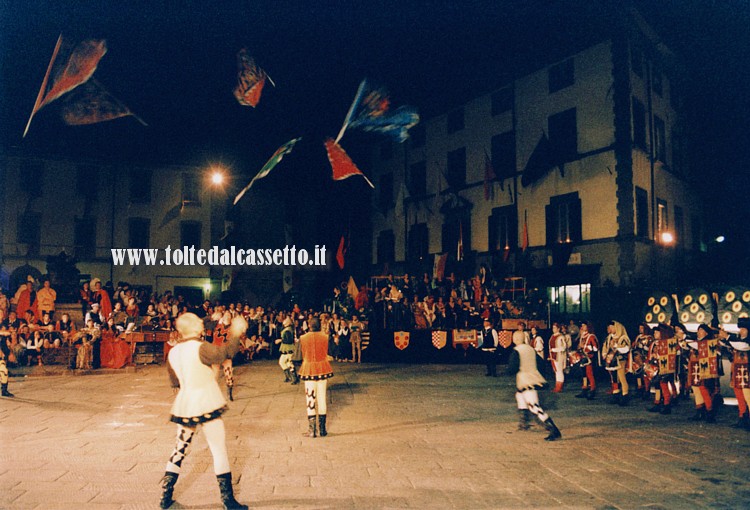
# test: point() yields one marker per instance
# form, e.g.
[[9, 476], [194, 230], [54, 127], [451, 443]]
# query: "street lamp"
[[720, 239], [666, 238]]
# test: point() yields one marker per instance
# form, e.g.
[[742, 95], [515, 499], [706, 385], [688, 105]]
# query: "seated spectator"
[[94, 315], [65, 327], [86, 338], [52, 339], [32, 344]]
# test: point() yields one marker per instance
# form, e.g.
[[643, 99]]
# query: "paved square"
[[400, 436]]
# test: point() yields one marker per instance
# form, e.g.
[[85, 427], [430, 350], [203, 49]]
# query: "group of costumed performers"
[[200, 401]]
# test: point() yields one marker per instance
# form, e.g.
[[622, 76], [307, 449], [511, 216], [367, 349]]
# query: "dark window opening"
[[139, 233], [456, 120], [504, 154], [456, 171], [502, 101], [561, 75], [503, 229], [563, 218], [563, 135], [641, 213]]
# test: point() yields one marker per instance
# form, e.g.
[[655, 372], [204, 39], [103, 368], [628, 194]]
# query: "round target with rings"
[[649, 317], [703, 299], [684, 316], [694, 308], [652, 300], [687, 299], [662, 317], [700, 317], [664, 300], [746, 296], [657, 308], [726, 317], [736, 306], [730, 296]]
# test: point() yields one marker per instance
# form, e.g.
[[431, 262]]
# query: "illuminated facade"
[[590, 177], [87, 208]]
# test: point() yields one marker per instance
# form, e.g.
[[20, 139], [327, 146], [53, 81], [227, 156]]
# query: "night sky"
[[174, 64]]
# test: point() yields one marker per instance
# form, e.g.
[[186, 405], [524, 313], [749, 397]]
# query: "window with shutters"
[[386, 247], [503, 155], [418, 179], [641, 213], [456, 169], [563, 215], [190, 189], [503, 229], [419, 242]]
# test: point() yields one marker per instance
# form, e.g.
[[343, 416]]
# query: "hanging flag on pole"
[[525, 234], [68, 68], [489, 177], [341, 253], [250, 79], [91, 103], [370, 111], [438, 268], [352, 288], [460, 248], [270, 164], [342, 165]]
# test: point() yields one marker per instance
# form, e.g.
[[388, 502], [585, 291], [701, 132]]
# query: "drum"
[[651, 369], [578, 359], [639, 359], [611, 361]]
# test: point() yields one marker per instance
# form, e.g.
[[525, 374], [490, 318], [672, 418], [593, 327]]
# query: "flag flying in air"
[[69, 67], [371, 111], [91, 103], [342, 165], [270, 164], [250, 79]]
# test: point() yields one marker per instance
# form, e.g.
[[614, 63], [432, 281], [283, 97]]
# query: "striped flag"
[[270, 164], [439, 339]]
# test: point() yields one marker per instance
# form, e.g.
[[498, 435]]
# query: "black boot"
[[656, 408], [227, 493], [700, 414], [740, 423], [591, 395], [167, 485], [554, 432], [624, 400], [287, 375], [6, 393], [229, 393], [616, 398], [322, 425], [523, 419], [584, 393], [312, 427], [666, 409], [710, 415], [295, 377]]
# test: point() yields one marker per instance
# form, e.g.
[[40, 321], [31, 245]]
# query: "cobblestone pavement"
[[401, 436]]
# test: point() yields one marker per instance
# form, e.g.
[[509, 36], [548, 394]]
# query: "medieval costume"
[[200, 401], [4, 376], [641, 346], [704, 373], [663, 357], [740, 352], [587, 351], [523, 363], [315, 371], [356, 329], [557, 356], [616, 353], [219, 339], [287, 350]]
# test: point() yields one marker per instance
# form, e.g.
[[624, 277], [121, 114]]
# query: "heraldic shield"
[[439, 339], [401, 339]]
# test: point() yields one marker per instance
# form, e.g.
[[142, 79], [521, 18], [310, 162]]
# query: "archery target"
[[734, 304]]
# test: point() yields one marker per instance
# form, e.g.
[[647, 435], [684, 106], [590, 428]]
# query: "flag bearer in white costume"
[[200, 401], [523, 363]]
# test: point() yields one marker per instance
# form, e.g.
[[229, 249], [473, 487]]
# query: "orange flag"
[[342, 165], [68, 69]]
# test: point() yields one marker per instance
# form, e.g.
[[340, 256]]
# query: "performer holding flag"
[[200, 401]]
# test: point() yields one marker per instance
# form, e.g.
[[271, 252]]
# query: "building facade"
[[86, 209], [573, 175]]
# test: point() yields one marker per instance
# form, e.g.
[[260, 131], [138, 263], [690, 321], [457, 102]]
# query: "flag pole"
[[349, 114], [40, 96]]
